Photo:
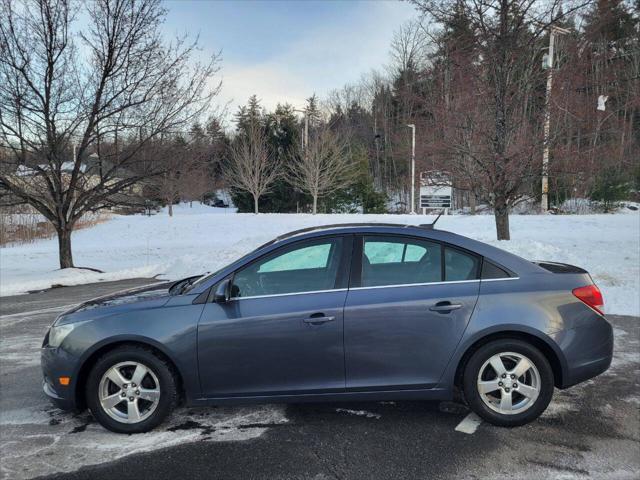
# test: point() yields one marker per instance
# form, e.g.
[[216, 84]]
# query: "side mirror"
[[221, 294]]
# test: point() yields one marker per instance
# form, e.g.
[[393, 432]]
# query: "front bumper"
[[58, 401], [55, 363], [588, 351]]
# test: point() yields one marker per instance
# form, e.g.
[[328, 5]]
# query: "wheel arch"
[[99, 350], [554, 357]]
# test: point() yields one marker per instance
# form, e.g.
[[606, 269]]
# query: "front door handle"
[[445, 307], [319, 320]]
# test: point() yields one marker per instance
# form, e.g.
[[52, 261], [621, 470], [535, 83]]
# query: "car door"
[[407, 308], [281, 330]]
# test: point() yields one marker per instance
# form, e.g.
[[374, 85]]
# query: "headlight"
[[58, 333]]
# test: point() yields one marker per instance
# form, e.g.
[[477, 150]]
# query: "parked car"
[[348, 312], [220, 203], [213, 200]]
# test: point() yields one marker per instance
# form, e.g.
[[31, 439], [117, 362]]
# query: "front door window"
[[308, 267]]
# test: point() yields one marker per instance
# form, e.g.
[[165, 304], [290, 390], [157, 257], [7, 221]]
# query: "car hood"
[[148, 296]]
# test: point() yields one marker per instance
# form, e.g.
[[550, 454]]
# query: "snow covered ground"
[[200, 239]]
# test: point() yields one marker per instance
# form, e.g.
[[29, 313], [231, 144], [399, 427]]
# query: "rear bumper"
[[588, 351]]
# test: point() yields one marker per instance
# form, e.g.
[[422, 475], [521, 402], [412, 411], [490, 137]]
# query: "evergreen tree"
[[250, 114], [611, 24], [361, 196], [281, 128], [312, 111]]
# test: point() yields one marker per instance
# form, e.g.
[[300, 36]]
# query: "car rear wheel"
[[131, 390], [508, 382]]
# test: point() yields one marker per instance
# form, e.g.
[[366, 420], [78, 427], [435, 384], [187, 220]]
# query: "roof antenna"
[[431, 225]]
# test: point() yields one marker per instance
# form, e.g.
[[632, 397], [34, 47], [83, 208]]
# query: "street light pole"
[[413, 167], [544, 201]]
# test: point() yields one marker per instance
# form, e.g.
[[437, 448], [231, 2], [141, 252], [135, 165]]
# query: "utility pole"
[[413, 167], [544, 203], [305, 132]]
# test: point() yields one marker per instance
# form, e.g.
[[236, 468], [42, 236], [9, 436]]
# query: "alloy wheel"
[[129, 392], [509, 383]]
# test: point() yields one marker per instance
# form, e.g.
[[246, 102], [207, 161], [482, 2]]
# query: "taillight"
[[592, 296]]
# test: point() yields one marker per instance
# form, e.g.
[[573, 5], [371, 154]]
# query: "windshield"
[[208, 276], [204, 277]]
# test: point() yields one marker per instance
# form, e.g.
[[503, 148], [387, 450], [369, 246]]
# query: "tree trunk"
[[315, 204], [64, 247], [472, 203], [255, 204], [170, 208], [501, 212]]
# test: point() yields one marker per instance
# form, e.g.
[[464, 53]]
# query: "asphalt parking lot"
[[590, 431]]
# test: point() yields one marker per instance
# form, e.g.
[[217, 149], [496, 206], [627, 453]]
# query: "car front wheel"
[[508, 382], [131, 390]]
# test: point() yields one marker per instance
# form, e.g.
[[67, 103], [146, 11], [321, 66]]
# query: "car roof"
[[427, 231], [341, 227]]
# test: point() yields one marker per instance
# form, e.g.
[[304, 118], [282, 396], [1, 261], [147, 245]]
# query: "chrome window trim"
[[415, 284], [499, 279], [292, 293], [376, 287], [435, 283]]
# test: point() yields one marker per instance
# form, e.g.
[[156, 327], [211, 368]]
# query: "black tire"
[[162, 370], [474, 398]]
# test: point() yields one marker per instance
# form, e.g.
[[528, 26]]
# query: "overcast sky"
[[284, 51]]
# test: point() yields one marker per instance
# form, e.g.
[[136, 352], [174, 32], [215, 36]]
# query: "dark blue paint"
[[262, 346], [392, 339], [382, 344]]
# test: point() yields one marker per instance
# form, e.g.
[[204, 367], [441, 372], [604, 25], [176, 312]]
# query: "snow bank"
[[201, 239]]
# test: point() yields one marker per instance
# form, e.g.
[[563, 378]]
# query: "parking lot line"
[[470, 424]]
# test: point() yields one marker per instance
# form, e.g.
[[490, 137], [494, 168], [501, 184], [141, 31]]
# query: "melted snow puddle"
[[45, 440]]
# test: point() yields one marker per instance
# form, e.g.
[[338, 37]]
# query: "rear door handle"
[[445, 307], [318, 320]]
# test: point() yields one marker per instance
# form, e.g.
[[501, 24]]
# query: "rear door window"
[[459, 265], [399, 261]]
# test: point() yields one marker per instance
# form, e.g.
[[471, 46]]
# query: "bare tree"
[[323, 167], [185, 171], [251, 165], [409, 46], [63, 95], [196, 182], [502, 136], [172, 161], [196, 178]]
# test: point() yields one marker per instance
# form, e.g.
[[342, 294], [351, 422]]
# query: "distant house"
[[92, 172]]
